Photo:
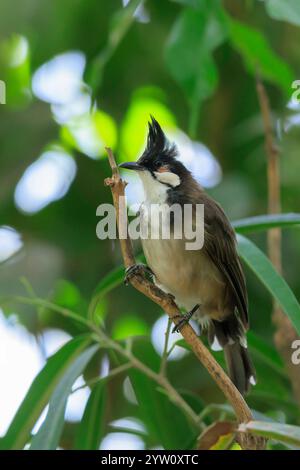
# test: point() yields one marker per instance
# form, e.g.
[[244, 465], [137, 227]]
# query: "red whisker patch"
[[163, 169]]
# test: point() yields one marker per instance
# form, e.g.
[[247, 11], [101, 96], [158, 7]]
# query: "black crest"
[[157, 143]]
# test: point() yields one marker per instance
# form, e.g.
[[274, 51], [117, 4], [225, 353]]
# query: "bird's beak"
[[132, 166]]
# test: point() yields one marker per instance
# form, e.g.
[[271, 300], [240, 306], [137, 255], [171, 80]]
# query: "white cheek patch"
[[167, 177]]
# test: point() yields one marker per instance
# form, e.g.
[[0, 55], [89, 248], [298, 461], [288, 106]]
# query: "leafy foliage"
[[189, 58], [258, 56]]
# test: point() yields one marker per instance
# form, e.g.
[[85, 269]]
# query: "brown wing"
[[220, 245]]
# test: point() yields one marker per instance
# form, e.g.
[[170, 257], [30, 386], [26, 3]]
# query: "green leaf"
[[47, 438], [156, 409], [266, 222], [258, 55], [66, 294], [157, 412], [266, 273], [120, 24], [133, 132], [265, 353], [280, 432], [110, 281], [287, 10], [129, 325], [90, 430], [190, 3], [193, 38], [40, 391], [15, 69]]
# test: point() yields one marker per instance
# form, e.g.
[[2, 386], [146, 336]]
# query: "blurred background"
[[84, 74]]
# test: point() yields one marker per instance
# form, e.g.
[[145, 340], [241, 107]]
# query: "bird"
[[208, 283]]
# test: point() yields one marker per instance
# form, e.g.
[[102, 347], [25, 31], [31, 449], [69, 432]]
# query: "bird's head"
[[158, 167]]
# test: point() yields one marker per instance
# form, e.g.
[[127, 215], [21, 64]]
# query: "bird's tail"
[[230, 335]]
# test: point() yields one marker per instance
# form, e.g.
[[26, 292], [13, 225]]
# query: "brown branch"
[[272, 152], [285, 333], [162, 299]]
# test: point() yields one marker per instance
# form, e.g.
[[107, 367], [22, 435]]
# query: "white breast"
[[188, 275], [155, 192]]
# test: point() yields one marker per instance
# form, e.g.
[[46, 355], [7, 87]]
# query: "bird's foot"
[[135, 270], [171, 297], [184, 319]]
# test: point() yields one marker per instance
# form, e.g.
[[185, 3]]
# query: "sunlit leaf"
[[66, 294], [235, 446], [266, 273], [15, 69], [145, 102], [90, 133], [40, 391], [129, 325]]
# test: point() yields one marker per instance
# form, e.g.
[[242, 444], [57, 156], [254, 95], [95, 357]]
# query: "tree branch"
[[151, 291]]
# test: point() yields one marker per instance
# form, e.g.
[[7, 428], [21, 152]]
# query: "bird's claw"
[[171, 297], [135, 270], [184, 319]]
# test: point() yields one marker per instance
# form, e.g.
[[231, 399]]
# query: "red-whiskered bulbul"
[[209, 282]]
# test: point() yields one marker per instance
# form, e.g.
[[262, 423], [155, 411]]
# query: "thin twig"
[[96, 380], [151, 291], [164, 358], [272, 152]]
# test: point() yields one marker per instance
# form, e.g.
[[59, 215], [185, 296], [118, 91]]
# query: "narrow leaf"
[[90, 430], [267, 354], [266, 222], [157, 412], [40, 391], [48, 436], [266, 273]]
